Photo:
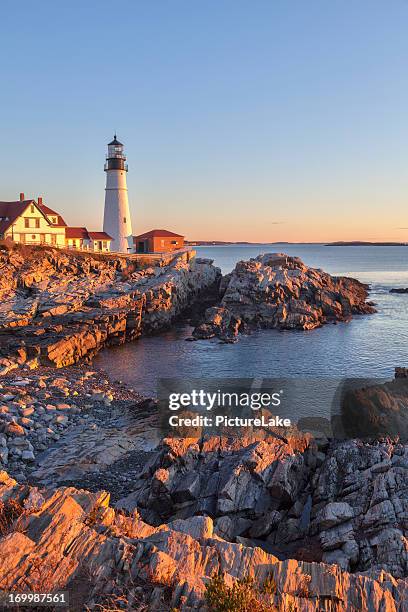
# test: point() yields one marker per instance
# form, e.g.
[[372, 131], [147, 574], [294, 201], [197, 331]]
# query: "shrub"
[[10, 511], [245, 595]]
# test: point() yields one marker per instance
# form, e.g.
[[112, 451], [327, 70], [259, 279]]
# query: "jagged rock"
[[380, 514], [246, 479], [56, 308], [264, 524], [278, 291], [73, 533], [371, 479], [198, 527], [333, 514], [224, 527], [335, 537], [337, 557]]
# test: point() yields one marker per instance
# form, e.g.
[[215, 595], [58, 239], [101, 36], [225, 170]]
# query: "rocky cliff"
[[278, 291], [57, 307]]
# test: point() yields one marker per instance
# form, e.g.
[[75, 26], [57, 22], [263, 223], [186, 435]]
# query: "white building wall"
[[116, 220], [101, 246], [39, 231]]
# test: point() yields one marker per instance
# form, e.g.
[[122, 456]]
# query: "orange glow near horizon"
[[381, 229]]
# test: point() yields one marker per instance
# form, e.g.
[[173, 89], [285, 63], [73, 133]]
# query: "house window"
[[26, 222], [37, 223], [174, 242], [162, 242], [32, 208], [33, 236], [105, 244]]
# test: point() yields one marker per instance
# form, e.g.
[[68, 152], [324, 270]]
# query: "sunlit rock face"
[[70, 539], [342, 502], [57, 307], [278, 291]]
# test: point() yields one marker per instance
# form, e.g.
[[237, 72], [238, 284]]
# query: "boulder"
[[278, 291], [333, 514]]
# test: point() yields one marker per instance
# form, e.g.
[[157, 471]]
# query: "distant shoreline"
[[360, 243], [227, 243], [339, 243]]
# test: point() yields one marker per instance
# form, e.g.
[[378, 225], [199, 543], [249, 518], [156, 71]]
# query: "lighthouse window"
[[124, 219]]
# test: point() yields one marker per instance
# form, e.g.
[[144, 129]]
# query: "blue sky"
[[263, 120]]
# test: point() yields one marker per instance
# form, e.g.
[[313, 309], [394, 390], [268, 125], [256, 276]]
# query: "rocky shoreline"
[[110, 561], [57, 308], [281, 292], [93, 500], [38, 409], [298, 504]]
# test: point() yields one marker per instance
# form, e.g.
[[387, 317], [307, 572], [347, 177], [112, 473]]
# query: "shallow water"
[[368, 346]]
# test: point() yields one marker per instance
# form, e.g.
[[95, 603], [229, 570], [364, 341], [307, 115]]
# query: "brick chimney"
[[39, 201], [22, 197]]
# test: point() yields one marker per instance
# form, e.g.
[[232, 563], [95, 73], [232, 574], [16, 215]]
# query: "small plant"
[[245, 595], [10, 511], [303, 588], [93, 516], [269, 586]]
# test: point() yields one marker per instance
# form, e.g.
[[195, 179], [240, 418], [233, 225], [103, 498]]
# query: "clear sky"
[[257, 120]]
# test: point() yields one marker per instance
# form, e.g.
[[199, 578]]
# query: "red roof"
[[157, 233], [99, 236], [48, 211], [76, 232], [10, 211]]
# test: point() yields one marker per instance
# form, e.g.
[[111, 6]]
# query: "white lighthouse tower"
[[116, 218]]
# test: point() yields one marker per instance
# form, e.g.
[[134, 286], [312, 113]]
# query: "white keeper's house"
[[32, 222]]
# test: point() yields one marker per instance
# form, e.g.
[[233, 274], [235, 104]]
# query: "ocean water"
[[369, 346]]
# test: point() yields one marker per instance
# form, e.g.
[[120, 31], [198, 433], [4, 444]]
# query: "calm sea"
[[368, 346]]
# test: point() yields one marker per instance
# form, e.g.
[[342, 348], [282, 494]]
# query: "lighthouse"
[[116, 218]]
